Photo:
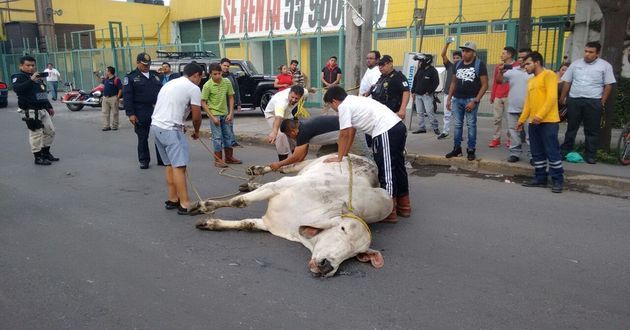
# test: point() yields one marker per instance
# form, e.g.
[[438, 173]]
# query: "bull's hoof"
[[249, 186], [256, 170], [207, 224]]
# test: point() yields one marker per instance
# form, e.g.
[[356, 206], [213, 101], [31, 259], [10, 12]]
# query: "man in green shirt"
[[214, 99]]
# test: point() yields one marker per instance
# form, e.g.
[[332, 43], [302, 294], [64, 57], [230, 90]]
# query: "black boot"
[[40, 159], [47, 155]]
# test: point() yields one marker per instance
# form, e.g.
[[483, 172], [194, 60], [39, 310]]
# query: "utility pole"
[[525, 24], [45, 25], [358, 40]]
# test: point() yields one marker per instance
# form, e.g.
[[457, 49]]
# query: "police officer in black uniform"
[[37, 111], [140, 91], [392, 89]]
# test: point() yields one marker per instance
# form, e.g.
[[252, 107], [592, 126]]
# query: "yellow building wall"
[[186, 10], [400, 12], [134, 17]]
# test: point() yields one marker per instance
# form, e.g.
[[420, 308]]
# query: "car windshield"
[[252, 68]]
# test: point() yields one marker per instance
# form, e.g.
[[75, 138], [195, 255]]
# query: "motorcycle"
[[76, 99]]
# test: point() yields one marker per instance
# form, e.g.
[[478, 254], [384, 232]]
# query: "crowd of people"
[[523, 92]]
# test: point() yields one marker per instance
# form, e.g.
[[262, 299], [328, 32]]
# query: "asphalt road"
[[86, 243]]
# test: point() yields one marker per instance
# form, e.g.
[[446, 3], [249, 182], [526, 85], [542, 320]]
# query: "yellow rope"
[[350, 213], [301, 110]]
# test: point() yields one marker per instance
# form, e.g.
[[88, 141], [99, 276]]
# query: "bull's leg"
[[265, 192], [293, 168], [245, 224]]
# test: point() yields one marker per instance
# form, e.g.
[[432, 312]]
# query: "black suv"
[[256, 89]]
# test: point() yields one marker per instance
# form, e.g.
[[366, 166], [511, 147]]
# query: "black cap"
[[144, 58], [385, 59]]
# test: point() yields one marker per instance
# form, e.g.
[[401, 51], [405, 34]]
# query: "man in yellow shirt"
[[541, 109]]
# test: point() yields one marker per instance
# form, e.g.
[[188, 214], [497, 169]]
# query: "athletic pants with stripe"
[[543, 141], [389, 155]]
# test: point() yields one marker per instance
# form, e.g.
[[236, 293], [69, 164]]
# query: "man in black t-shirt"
[[392, 89], [468, 85], [319, 130]]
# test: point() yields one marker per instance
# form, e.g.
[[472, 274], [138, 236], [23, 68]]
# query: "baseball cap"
[[385, 59], [469, 45], [144, 58]]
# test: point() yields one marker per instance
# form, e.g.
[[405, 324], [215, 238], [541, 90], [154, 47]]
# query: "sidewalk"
[[426, 149]]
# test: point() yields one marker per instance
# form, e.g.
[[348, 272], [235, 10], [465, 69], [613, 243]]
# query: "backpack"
[[477, 65]]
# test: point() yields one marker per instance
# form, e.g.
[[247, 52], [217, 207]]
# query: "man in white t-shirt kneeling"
[[283, 105], [176, 100], [389, 136]]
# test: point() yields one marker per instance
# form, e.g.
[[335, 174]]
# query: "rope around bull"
[[350, 213]]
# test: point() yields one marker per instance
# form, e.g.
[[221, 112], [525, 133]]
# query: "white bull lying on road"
[[312, 208]]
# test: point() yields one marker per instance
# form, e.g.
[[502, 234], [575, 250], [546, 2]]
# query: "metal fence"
[[83, 52]]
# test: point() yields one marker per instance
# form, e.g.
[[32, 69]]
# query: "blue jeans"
[[221, 135], [458, 111], [543, 141], [53, 89]]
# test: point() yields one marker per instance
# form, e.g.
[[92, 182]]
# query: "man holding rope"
[[176, 100], [283, 105]]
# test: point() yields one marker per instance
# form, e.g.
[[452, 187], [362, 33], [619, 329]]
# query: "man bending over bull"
[[389, 135]]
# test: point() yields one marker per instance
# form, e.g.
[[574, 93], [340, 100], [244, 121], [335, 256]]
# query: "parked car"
[[256, 89], [4, 94]]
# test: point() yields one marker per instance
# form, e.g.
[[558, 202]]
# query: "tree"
[[616, 14]]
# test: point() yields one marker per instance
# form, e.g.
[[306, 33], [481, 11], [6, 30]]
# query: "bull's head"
[[333, 244]]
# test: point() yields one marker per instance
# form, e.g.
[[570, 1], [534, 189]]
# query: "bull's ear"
[[373, 256], [309, 232]]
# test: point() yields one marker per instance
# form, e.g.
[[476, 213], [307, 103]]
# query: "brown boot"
[[403, 207], [218, 159], [392, 218], [229, 157]]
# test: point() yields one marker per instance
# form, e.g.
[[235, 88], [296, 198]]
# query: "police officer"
[[34, 105], [140, 91], [392, 88]]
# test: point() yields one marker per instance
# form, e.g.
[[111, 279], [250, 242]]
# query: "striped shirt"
[[215, 94]]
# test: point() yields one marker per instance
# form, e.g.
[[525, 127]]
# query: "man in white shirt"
[[588, 84], [283, 105], [372, 74], [389, 135], [176, 100], [53, 79]]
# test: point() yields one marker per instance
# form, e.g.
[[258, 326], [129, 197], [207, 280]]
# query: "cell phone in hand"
[[42, 74]]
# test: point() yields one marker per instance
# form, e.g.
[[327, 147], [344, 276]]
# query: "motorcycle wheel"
[[74, 107]]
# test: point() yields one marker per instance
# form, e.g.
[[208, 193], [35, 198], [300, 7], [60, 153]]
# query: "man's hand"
[[271, 138], [402, 114], [562, 101], [536, 121], [216, 121], [195, 135], [449, 105], [332, 159], [133, 120], [275, 166], [518, 127], [35, 76], [470, 106], [229, 118]]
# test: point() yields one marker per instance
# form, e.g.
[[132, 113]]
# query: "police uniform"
[[389, 89], [140, 94], [34, 105]]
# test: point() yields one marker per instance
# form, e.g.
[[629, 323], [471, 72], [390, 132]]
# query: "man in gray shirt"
[[517, 77], [588, 85]]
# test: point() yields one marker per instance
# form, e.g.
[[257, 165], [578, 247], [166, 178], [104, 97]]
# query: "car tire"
[[265, 98], [74, 107]]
